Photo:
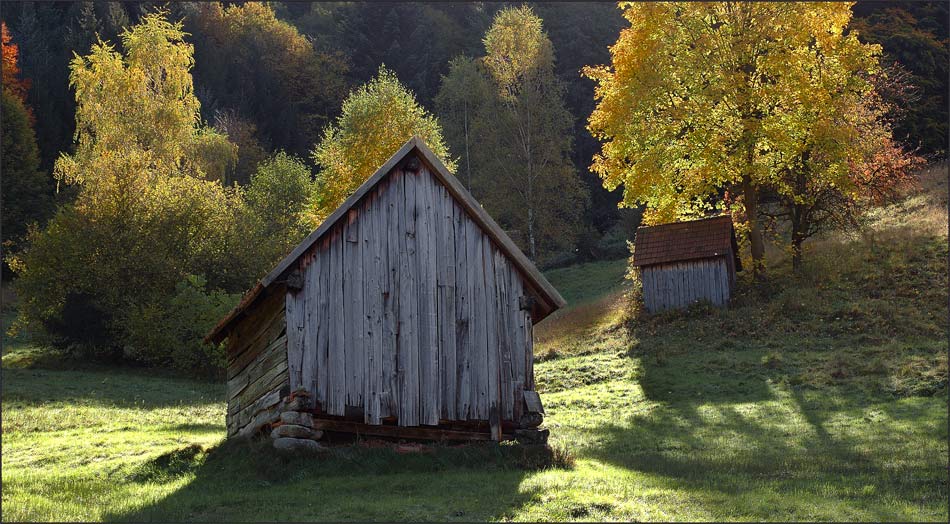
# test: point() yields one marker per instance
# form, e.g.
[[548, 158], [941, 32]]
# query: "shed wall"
[[409, 310], [257, 362], [680, 284]]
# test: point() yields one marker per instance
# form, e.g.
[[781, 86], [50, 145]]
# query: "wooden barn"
[[687, 262], [407, 313]]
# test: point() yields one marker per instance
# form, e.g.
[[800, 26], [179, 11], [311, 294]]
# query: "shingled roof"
[[709, 237]]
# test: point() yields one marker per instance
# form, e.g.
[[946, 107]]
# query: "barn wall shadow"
[[251, 482]]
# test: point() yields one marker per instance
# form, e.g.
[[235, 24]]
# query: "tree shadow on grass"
[[250, 481], [766, 466], [106, 388], [677, 364]]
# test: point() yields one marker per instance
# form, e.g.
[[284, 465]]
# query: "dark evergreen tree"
[[26, 190]]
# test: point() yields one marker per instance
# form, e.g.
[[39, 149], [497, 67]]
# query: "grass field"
[[823, 397]]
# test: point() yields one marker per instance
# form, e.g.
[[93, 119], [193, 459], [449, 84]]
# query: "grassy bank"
[[823, 397]]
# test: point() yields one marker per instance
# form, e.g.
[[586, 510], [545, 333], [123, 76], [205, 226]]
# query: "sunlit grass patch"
[[821, 398]]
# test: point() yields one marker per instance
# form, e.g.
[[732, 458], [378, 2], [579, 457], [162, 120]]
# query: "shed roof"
[[550, 299], [705, 238]]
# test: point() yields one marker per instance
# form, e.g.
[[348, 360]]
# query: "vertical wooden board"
[[678, 283], [703, 275], [724, 279], [644, 293], [688, 281], [428, 323], [435, 261], [336, 357], [428, 345], [670, 280], [710, 274], [529, 350], [379, 322], [392, 243], [308, 367], [493, 392], [371, 311], [295, 311], [690, 292], [516, 332], [420, 292], [353, 270], [447, 302], [649, 293], [701, 292], [506, 379], [479, 324], [682, 281], [323, 325], [347, 270], [408, 339], [702, 282], [663, 276], [714, 282], [463, 332]]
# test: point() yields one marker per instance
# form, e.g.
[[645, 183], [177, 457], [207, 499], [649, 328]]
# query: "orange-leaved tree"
[[11, 67]]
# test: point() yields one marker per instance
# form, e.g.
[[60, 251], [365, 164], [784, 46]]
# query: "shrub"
[[170, 332]]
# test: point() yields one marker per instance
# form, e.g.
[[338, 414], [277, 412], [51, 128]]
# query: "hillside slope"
[[826, 399]]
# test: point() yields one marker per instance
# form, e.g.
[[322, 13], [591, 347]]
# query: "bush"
[[170, 333]]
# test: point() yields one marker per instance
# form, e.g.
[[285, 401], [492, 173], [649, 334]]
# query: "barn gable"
[[546, 297]]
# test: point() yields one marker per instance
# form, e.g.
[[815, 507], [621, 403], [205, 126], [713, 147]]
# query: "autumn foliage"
[[11, 68], [753, 99]]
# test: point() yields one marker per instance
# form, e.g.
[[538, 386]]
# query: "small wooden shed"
[[686, 262], [408, 312]]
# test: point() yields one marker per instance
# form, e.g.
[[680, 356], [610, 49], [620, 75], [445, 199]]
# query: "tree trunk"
[[798, 236], [531, 245], [756, 243], [800, 217], [797, 252], [468, 162]]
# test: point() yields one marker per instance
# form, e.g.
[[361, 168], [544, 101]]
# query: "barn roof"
[[550, 299], [709, 237]]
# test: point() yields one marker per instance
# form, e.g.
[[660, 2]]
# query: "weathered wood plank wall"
[[257, 367], [680, 284], [410, 311]]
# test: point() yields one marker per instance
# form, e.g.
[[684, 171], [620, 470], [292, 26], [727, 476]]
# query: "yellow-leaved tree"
[[122, 270], [376, 120], [697, 95], [505, 113]]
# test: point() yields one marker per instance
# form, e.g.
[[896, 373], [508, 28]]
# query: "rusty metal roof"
[[709, 237]]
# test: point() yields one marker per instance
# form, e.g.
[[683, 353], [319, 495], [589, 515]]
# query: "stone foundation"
[[293, 428], [290, 425]]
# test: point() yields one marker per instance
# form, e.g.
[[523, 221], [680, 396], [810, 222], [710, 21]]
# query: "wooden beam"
[[409, 432]]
